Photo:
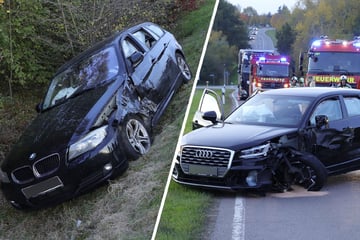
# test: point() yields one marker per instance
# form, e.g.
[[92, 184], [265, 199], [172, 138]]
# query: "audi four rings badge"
[[204, 153]]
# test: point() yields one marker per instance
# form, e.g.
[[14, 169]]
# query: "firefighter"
[[301, 82], [343, 82], [294, 82]]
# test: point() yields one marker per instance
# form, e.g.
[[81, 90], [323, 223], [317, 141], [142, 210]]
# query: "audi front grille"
[[206, 161]]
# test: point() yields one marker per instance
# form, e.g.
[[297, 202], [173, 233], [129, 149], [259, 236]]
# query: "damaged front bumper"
[[223, 170]]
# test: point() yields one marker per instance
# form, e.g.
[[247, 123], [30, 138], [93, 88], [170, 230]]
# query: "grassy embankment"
[[125, 208]]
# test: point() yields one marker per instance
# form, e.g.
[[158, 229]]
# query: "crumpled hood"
[[53, 129], [234, 136]]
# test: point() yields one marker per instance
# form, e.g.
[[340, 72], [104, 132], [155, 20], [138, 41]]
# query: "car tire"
[[309, 172], [136, 137], [184, 67]]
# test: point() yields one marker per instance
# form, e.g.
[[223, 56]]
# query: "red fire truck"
[[244, 69], [329, 59], [269, 71]]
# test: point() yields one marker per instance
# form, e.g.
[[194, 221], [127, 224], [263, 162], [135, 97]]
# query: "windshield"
[[332, 62], [267, 109], [86, 74], [272, 70]]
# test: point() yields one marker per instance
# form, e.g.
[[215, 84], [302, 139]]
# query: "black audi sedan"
[[275, 139], [98, 113]]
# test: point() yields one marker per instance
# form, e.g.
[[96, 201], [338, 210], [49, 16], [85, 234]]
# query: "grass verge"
[[185, 211], [125, 208], [271, 33]]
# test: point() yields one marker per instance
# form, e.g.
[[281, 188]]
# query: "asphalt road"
[[330, 214], [262, 41]]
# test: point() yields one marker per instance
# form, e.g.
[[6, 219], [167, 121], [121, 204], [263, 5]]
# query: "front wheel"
[[305, 170], [184, 67], [137, 140]]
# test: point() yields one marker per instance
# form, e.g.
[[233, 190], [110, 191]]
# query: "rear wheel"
[[137, 140], [184, 67]]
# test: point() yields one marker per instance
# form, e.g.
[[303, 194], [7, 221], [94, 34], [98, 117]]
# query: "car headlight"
[[90, 141], [254, 152], [4, 177]]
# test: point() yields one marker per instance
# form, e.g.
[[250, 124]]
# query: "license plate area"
[[202, 170], [41, 188]]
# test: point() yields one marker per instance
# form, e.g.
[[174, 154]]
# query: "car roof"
[[312, 91]]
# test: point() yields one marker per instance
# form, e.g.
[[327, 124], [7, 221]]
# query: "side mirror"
[[136, 58], [321, 121], [210, 109], [210, 116]]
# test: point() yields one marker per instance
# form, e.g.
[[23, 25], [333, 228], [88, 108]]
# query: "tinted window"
[[352, 106], [128, 47], [330, 107]]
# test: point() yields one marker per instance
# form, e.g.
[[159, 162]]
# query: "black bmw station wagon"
[[98, 113]]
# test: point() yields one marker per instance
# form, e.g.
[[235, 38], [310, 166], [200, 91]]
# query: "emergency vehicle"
[[269, 72], [244, 68], [329, 59]]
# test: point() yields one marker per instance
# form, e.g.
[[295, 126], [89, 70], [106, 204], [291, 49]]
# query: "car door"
[[352, 106], [330, 134], [151, 75], [209, 102]]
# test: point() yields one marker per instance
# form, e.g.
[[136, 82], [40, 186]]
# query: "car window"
[[158, 32], [330, 107], [145, 38], [352, 106], [129, 47], [271, 109]]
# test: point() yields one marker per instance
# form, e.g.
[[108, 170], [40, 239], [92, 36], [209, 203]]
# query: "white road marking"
[[238, 228]]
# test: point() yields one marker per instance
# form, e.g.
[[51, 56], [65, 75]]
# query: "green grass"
[[184, 214], [126, 207], [271, 34], [185, 210]]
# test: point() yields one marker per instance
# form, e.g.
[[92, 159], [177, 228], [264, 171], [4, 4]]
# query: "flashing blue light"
[[262, 59], [283, 59], [317, 43], [356, 44]]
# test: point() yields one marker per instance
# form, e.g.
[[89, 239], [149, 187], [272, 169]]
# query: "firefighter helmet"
[[343, 78]]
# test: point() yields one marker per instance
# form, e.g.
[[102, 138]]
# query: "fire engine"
[[244, 69], [269, 71], [262, 69], [329, 59]]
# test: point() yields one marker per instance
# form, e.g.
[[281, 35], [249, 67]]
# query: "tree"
[[285, 38], [219, 57], [36, 37], [228, 21]]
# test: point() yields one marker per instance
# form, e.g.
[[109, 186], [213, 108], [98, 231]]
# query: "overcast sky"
[[264, 6]]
